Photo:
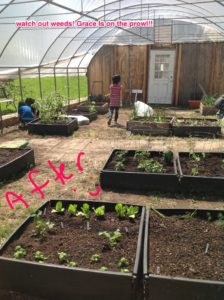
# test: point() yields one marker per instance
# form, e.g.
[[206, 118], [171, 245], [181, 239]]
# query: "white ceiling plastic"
[[185, 20]]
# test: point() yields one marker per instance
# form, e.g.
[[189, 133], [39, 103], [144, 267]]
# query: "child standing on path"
[[115, 98]]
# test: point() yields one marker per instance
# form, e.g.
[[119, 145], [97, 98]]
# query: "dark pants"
[[111, 112]]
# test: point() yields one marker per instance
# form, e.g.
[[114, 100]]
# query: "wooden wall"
[[196, 63], [128, 61]]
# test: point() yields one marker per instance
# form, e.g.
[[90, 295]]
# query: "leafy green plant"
[[141, 155], [99, 211], [19, 252], [196, 157], [123, 262], [132, 211], [39, 256], [95, 258], [168, 157], [113, 238], [104, 269], [208, 100], [209, 216], [189, 215], [85, 211], [124, 270], [121, 210], [41, 227], [120, 155], [58, 207], [150, 166], [194, 171], [220, 218], [72, 209], [119, 166], [50, 107], [92, 107], [72, 264], [63, 257]]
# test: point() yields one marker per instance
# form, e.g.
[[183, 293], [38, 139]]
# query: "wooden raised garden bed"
[[73, 255], [60, 127], [139, 174], [183, 255], [153, 126], [92, 116], [206, 110], [196, 127], [202, 173], [101, 107], [14, 161]]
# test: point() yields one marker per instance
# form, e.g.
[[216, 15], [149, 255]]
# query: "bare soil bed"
[[178, 247], [7, 155], [211, 165]]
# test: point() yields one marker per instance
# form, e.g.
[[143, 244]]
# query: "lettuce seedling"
[[95, 258], [72, 209], [58, 207], [39, 256], [19, 253], [41, 227], [72, 264], [120, 210], [141, 155], [124, 270], [132, 211], [123, 262], [99, 211], [119, 166], [113, 238], [168, 157], [104, 269], [63, 257], [120, 155], [85, 211]]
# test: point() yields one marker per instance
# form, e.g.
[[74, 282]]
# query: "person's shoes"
[[115, 123], [109, 122]]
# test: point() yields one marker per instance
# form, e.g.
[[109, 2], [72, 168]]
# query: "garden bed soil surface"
[[178, 246], [70, 235], [131, 165], [212, 165], [195, 122], [7, 155]]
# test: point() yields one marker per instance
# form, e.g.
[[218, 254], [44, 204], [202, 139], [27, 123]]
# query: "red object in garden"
[[193, 104]]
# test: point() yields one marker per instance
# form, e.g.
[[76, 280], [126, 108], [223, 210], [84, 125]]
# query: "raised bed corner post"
[[78, 85], [20, 84], [68, 87], [40, 87]]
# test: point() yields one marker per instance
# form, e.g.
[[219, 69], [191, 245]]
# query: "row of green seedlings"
[[122, 210], [63, 257], [42, 226], [195, 158], [144, 160]]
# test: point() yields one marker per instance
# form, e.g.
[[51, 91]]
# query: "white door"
[[161, 68]]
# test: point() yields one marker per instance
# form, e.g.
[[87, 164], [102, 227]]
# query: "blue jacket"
[[25, 113]]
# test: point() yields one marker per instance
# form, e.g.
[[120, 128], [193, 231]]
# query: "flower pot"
[[78, 237], [193, 104]]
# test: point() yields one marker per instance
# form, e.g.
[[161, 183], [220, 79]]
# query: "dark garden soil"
[[131, 165], [148, 124], [7, 155], [212, 165], [196, 122], [79, 238], [55, 122], [178, 246]]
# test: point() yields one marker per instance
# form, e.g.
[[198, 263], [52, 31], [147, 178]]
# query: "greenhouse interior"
[[111, 149]]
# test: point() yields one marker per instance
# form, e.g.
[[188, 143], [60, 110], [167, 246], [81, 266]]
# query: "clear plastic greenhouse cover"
[[68, 33]]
